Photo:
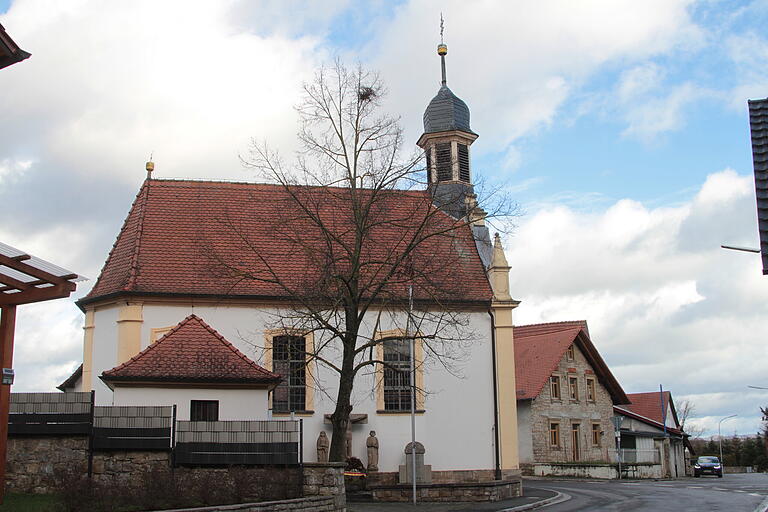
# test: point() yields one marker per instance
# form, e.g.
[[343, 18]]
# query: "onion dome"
[[446, 112]]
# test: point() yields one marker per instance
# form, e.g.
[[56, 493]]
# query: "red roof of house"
[[197, 237], [649, 405], [191, 352], [539, 348]]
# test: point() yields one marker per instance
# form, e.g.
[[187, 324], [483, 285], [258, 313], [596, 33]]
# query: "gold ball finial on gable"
[[150, 167], [442, 49]]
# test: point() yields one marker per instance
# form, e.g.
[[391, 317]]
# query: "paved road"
[[733, 493]]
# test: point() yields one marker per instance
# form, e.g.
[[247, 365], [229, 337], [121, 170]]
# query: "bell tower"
[[446, 141]]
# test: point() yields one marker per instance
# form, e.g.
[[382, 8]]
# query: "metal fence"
[[50, 413], [269, 442], [133, 427], [633, 456], [198, 443]]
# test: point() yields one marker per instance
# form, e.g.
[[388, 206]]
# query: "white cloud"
[[11, 170], [516, 66], [665, 304]]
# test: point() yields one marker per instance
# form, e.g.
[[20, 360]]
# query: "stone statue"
[[373, 451], [322, 447], [348, 441]]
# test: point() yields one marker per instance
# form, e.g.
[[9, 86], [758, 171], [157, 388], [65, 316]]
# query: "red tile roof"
[[649, 405], [191, 352], [539, 348], [186, 237]]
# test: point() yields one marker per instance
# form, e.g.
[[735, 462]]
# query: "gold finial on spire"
[[150, 167]]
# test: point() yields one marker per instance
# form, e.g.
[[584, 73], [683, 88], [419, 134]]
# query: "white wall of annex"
[[459, 409], [104, 350], [234, 404]]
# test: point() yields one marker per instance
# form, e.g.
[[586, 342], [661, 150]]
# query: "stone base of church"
[[446, 486]]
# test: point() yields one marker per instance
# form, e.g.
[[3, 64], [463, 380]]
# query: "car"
[[707, 466]]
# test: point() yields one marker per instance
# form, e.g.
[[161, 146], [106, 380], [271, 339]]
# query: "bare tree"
[[363, 238]]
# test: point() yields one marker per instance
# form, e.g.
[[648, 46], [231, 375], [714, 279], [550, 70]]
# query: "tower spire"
[[442, 49]]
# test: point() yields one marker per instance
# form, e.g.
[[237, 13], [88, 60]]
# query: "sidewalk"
[[533, 498]]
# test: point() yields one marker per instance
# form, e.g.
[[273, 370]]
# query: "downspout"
[[495, 396]]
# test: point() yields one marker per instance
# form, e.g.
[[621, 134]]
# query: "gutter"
[[495, 397]]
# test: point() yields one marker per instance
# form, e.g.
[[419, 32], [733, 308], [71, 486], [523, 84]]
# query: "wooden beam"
[[7, 327], [37, 294], [30, 270]]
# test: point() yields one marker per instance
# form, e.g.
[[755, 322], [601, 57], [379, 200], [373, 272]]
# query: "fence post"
[[301, 442], [90, 434], [173, 439]]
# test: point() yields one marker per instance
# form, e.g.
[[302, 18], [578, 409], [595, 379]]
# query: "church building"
[[168, 322]]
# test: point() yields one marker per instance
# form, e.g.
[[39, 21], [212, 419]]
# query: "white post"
[[720, 441], [413, 389]]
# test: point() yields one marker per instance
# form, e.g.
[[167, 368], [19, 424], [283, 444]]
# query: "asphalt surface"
[[733, 493]]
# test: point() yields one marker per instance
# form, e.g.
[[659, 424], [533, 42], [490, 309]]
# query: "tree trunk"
[[340, 416]]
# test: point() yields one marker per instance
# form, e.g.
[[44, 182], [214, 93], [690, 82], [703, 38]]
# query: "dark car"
[[708, 466]]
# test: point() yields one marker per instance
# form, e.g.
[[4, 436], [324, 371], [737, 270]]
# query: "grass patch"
[[29, 503]]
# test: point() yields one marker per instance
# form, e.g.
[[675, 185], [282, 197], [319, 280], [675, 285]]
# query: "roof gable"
[[246, 223], [191, 352], [539, 348]]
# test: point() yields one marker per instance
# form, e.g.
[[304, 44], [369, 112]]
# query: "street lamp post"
[[720, 440]]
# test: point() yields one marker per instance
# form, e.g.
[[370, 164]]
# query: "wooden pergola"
[[24, 279]]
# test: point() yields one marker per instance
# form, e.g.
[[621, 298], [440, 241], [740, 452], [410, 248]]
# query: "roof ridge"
[[553, 323], [164, 181], [133, 270], [117, 239]]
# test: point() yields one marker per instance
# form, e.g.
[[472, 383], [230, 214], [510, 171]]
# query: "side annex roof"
[[191, 352]]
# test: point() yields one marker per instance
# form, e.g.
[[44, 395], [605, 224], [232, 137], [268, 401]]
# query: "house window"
[[204, 410], [554, 383], [289, 361], [554, 434], [573, 384], [397, 375], [575, 448], [596, 434], [591, 390], [570, 354]]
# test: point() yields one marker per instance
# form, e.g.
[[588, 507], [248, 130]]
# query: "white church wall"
[[458, 410], [234, 404]]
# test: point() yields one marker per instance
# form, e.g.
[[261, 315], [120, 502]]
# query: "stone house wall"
[[566, 412]]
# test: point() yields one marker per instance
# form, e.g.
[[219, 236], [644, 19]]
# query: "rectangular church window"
[[397, 375], [289, 361]]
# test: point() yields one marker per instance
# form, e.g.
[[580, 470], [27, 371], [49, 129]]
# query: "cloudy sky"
[[620, 127]]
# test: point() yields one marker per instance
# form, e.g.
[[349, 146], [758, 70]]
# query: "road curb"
[[763, 506], [559, 497]]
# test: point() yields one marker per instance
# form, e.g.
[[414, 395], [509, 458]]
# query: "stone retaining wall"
[[34, 463], [479, 491], [598, 470]]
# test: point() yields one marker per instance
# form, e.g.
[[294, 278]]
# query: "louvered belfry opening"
[[463, 152], [444, 167]]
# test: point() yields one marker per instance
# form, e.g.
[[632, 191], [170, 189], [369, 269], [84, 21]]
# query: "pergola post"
[[7, 327]]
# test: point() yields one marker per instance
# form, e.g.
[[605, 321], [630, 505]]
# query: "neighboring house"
[[650, 432], [162, 326], [565, 397]]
